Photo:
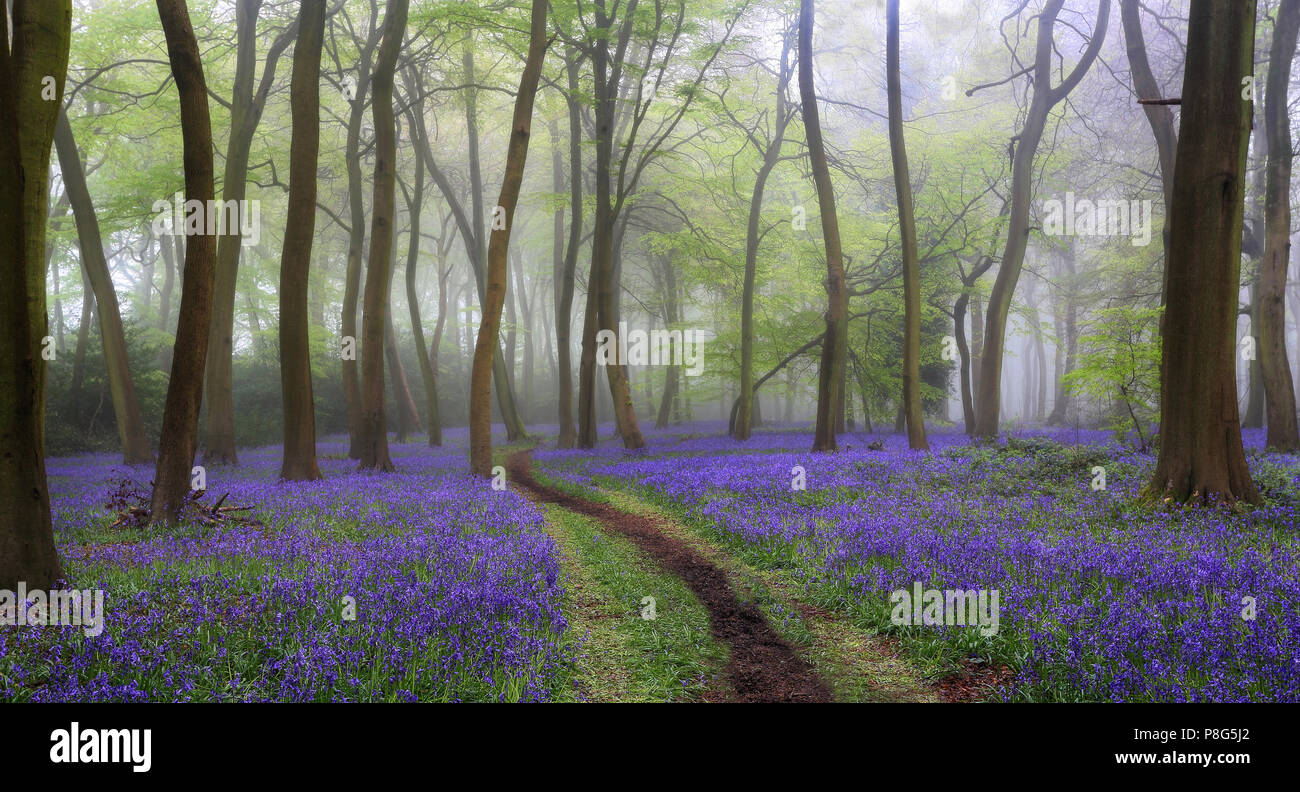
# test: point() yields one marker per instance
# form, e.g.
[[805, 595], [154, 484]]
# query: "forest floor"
[[810, 655], [696, 569]]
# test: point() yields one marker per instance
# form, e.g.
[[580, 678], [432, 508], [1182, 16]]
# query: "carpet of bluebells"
[[421, 585], [1101, 596]]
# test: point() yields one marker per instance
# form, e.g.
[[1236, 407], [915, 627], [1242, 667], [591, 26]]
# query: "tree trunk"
[[1159, 117], [1069, 337], [379, 268], [480, 424], [39, 49], [295, 258], [506, 401], [126, 408], [964, 360], [1040, 359], [567, 267], [565, 276], [771, 155], [916, 439], [245, 112], [408, 416], [171, 259], [526, 315], [180, 424], [672, 316], [832, 360], [604, 280], [83, 343], [1274, 367], [1045, 97], [1201, 456], [41, 36], [414, 204], [356, 237]]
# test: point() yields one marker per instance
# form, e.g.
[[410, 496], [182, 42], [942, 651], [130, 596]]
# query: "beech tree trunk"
[[830, 375], [771, 155], [1159, 117], [916, 439], [1045, 97], [179, 436], [356, 235], [567, 267], [126, 408], [379, 269], [41, 36], [1275, 370], [39, 49], [480, 405], [246, 111], [295, 258], [672, 316], [1201, 456], [414, 204], [1067, 336], [408, 416], [603, 276]]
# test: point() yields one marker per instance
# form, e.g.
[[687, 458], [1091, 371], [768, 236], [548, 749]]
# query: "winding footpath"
[[763, 667]]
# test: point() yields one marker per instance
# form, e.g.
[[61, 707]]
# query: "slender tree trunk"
[[1201, 456], [246, 111], [916, 439], [506, 401], [126, 408], [672, 316], [566, 269], [588, 417], [832, 360], [408, 416], [604, 279], [480, 424], [41, 36], [1159, 117], [1069, 337], [965, 361], [83, 343], [512, 321], [295, 258], [1254, 417], [771, 156], [1039, 405], [180, 424], [379, 268], [525, 314], [171, 260], [415, 202], [564, 286], [1274, 367], [39, 50], [356, 239], [1045, 97]]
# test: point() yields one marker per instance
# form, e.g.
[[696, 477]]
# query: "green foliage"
[[1119, 366]]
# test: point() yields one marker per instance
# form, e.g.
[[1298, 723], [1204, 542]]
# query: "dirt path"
[[763, 667]]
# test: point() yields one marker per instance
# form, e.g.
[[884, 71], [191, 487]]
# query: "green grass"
[[625, 657]]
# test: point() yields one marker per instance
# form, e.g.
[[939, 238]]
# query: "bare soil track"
[[763, 666]]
